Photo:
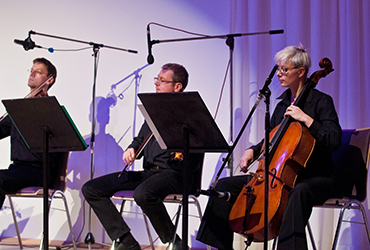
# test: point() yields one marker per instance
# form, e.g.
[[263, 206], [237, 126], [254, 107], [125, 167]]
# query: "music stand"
[[45, 127], [181, 122]]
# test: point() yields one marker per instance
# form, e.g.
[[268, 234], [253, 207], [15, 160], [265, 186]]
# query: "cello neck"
[[300, 100], [311, 83]]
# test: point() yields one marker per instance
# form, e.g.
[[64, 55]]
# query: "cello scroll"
[[327, 68]]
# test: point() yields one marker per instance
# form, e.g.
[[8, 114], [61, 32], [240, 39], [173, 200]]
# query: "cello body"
[[290, 156]]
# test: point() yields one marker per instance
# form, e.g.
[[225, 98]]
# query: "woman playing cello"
[[314, 182]]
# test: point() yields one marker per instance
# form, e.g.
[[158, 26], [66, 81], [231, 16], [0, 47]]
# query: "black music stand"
[[181, 122], [45, 127]]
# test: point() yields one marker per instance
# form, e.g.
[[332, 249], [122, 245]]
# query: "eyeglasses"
[[161, 81], [36, 72], [285, 71]]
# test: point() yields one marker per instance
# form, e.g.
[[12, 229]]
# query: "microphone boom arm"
[[31, 32], [271, 32]]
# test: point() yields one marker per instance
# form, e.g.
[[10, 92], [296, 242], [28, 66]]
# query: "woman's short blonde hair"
[[297, 55]]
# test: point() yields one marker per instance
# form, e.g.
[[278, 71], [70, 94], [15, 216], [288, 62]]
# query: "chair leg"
[[15, 223], [148, 231], [68, 219], [176, 225], [339, 224], [196, 202], [122, 206], [146, 226], [274, 243], [348, 205], [67, 214], [365, 220], [311, 236]]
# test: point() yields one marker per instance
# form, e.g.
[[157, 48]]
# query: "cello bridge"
[[257, 176]]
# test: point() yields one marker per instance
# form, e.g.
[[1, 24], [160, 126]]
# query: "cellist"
[[314, 183]]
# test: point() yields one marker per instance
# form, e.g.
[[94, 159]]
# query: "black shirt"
[[325, 129], [19, 150], [155, 156]]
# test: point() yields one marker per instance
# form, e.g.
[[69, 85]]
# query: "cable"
[[181, 30], [222, 89], [202, 35], [51, 50]]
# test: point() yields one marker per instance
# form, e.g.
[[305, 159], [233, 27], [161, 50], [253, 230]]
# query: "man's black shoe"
[[120, 246]]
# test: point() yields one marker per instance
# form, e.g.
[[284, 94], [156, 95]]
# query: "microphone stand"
[[230, 42], [264, 92], [137, 81], [89, 239]]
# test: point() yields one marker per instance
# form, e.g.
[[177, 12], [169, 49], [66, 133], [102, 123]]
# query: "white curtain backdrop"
[[339, 30]]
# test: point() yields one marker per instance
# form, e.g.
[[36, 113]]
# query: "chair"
[[57, 191], [127, 195], [351, 161]]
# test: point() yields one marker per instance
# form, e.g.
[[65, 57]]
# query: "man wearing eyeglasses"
[[162, 175], [26, 169]]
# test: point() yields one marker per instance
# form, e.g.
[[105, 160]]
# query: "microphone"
[[272, 73], [27, 43], [273, 32], [150, 58], [269, 78], [221, 195]]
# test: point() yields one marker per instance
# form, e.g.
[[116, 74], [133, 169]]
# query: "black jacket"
[[325, 129]]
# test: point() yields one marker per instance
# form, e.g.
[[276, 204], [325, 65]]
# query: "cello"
[[290, 147]]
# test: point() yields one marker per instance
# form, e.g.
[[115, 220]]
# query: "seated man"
[[26, 168], [162, 175]]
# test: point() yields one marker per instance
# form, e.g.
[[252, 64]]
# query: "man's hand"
[[128, 156], [246, 160]]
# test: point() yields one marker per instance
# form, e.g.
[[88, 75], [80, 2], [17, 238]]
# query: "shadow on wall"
[[107, 159]]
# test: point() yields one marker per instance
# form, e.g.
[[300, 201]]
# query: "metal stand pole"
[[45, 237], [89, 239]]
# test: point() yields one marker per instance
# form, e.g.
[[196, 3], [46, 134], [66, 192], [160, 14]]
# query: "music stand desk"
[[181, 122]]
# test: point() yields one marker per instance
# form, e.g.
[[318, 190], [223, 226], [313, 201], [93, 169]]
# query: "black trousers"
[[301, 199], [151, 187], [19, 176], [215, 230]]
